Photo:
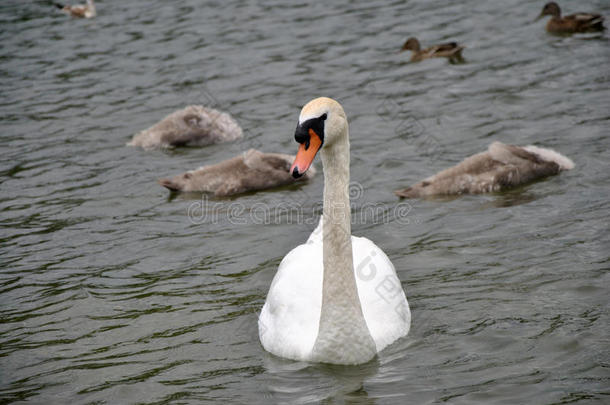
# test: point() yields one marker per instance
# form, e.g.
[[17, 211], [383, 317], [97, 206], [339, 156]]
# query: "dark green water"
[[112, 292]]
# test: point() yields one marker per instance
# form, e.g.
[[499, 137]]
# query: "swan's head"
[[321, 123]]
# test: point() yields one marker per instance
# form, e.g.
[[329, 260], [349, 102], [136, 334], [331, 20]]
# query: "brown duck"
[[497, 169], [450, 50], [251, 171], [579, 22], [80, 10]]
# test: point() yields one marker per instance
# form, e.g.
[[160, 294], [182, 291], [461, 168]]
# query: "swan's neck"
[[343, 336]]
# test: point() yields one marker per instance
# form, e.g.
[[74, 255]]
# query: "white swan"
[[335, 299]]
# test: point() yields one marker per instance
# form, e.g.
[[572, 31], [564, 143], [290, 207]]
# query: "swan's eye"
[[305, 130]]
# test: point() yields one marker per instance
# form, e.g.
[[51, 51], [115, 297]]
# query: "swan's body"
[[289, 323], [80, 11], [250, 171], [194, 125], [337, 298], [450, 50], [499, 168], [578, 22]]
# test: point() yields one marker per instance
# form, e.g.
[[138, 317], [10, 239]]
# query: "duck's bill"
[[539, 17], [307, 152]]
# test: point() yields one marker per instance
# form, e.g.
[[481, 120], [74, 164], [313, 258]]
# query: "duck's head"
[[551, 9], [321, 123], [412, 44]]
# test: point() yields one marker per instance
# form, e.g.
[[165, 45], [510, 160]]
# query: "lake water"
[[112, 291]]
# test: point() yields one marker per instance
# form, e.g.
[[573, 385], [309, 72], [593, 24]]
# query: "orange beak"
[[307, 152]]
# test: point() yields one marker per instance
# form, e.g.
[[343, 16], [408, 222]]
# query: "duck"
[[450, 50], [578, 22], [194, 125], [336, 298], [252, 170], [80, 11], [499, 168]]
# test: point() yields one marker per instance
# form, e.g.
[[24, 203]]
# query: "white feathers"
[[550, 155], [289, 320]]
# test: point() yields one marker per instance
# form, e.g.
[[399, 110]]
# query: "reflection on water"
[[515, 197], [111, 293], [331, 383]]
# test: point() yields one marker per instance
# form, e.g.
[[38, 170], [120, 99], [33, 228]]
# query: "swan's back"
[[289, 321], [250, 171], [194, 125], [499, 168]]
